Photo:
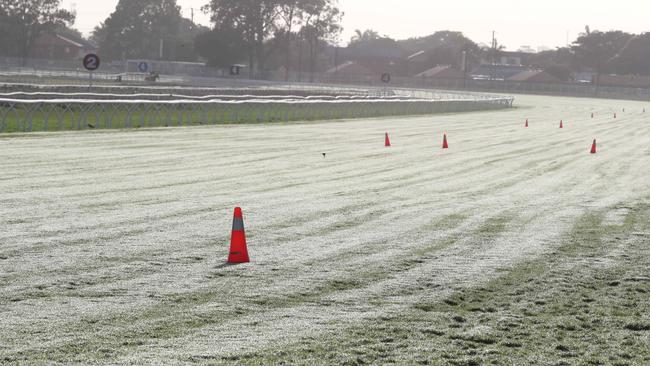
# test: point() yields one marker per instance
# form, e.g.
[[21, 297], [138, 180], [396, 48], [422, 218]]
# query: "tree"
[[321, 23], [370, 39], [184, 47], [69, 32], [137, 27], [495, 51], [558, 62], [445, 48], [254, 19], [596, 49], [267, 25], [6, 34], [545, 59], [365, 37], [221, 48], [633, 57], [23, 21], [562, 72], [289, 13]]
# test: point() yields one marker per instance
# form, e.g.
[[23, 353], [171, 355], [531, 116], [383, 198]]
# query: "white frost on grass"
[[114, 233]]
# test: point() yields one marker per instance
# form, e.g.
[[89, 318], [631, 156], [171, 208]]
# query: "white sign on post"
[[143, 66]]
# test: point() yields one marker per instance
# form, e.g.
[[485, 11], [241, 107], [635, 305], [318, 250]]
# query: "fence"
[[243, 88], [557, 89], [20, 115], [81, 77], [34, 91], [55, 72]]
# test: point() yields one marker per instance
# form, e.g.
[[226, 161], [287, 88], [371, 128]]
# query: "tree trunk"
[[299, 59], [26, 45], [251, 65], [287, 60], [312, 61], [260, 58]]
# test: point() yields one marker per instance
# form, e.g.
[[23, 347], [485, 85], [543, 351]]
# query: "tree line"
[[23, 21], [261, 30], [610, 52], [292, 35]]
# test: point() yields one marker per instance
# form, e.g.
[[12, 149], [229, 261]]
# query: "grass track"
[[113, 243], [564, 308], [71, 116]]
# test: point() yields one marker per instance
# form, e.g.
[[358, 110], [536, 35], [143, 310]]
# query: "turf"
[[584, 303], [513, 246], [70, 116]]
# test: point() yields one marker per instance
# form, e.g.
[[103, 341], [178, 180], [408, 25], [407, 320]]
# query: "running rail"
[[53, 111]]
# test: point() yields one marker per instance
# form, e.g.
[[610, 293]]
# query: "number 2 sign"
[[91, 62]]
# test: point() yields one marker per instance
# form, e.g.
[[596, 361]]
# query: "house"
[[526, 49], [514, 58], [497, 72], [442, 72], [442, 76], [583, 77], [627, 81], [418, 62], [534, 76], [425, 62], [351, 68], [420, 56], [368, 60], [55, 46]]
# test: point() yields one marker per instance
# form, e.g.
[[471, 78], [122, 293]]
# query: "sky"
[[516, 22]]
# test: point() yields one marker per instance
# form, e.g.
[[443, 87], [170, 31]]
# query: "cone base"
[[238, 261]]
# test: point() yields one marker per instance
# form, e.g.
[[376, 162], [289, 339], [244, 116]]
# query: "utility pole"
[[494, 54], [191, 16], [494, 47], [464, 67], [336, 61]]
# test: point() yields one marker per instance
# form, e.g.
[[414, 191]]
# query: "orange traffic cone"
[[593, 147], [387, 141], [561, 124], [445, 145], [526, 123], [238, 250]]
